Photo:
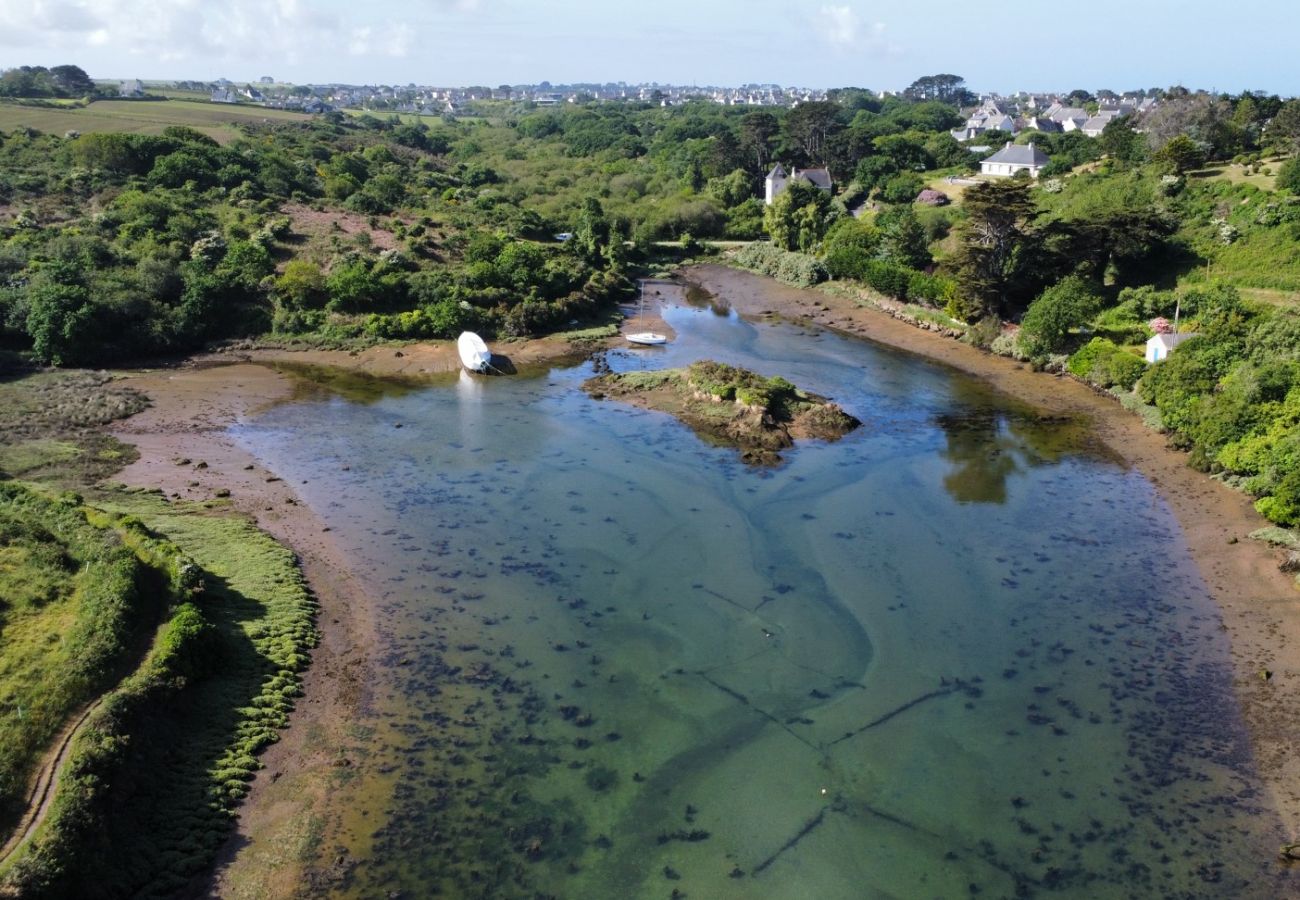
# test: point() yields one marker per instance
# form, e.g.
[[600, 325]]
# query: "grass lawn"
[[143, 117], [955, 192], [1272, 297], [1236, 174]]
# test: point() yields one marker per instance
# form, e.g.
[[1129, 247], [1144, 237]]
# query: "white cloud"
[[391, 40], [267, 31], [842, 28], [840, 25]]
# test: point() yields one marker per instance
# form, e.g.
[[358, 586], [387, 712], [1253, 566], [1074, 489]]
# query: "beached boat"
[[645, 337], [474, 353]]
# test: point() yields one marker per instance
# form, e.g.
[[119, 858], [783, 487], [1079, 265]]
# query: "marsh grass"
[[149, 790], [75, 603], [51, 426]]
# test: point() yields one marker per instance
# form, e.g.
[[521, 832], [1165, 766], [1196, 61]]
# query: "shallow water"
[[961, 652]]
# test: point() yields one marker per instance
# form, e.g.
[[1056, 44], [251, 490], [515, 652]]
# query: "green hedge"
[[112, 607], [797, 269], [1105, 364], [891, 279]]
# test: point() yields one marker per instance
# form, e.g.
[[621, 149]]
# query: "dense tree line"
[[39, 82]]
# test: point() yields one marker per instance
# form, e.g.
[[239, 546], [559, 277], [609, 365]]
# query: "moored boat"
[[474, 353], [647, 338]]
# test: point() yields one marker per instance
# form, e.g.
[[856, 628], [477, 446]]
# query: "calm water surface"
[[960, 653]]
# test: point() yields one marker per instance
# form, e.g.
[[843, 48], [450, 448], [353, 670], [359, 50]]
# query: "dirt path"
[[1260, 605], [46, 783]]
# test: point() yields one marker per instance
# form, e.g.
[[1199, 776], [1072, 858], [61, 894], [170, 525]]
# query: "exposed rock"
[[731, 407]]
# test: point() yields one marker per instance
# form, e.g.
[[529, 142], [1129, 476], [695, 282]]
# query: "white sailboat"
[[648, 338], [474, 353]]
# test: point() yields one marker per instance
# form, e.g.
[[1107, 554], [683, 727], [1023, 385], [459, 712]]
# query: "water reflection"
[[620, 664], [701, 298], [987, 444], [313, 382]]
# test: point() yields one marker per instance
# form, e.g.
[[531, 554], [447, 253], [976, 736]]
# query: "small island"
[[731, 407]]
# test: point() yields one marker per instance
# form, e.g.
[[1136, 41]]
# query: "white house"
[[1015, 158], [1160, 346], [777, 180], [132, 87]]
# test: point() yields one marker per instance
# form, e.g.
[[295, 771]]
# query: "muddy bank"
[[408, 360], [185, 451], [1260, 606]]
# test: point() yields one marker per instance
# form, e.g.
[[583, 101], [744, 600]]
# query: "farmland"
[[218, 121]]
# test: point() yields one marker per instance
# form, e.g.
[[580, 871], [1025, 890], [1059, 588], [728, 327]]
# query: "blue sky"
[[1117, 44]]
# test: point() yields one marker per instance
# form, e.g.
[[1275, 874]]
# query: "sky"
[[1013, 45]]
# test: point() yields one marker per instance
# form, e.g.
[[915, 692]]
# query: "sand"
[[292, 803]]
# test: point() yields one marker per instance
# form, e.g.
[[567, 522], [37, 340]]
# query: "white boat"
[[474, 354], [648, 338]]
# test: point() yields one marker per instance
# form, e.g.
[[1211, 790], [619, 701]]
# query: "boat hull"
[[474, 353], [647, 338]]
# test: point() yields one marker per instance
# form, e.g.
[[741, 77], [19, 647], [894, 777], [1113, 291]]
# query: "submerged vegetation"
[[731, 406], [168, 639]]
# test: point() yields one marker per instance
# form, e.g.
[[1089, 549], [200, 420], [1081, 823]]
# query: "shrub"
[[1288, 176], [1104, 364], [983, 333], [1049, 319], [793, 268]]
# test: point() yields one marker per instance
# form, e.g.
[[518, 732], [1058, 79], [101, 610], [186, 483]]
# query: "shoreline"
[[191, 408], [1257, 602], [288, 817], [185, 451]]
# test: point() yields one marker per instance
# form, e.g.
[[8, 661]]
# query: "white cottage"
[[777, 181], [1160, 346], [1015, 158]]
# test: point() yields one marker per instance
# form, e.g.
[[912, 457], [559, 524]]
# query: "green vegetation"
[[221, 122], [730, 406], [1121, 231], [38, 81], [161, 762], [773, 396], [75, 603], [188, 626], [134, 229]]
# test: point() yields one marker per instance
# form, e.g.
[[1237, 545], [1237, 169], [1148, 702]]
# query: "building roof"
[[777, 172], [1020, 155], [819, 177], [1170, 341], [1070, 112]]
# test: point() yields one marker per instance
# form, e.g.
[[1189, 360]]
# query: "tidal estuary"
[[962, 652]]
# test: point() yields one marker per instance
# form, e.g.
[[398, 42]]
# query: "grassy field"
[[955, 192], [73, 604], [143, 117], [1236, 174], [161, 762]]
